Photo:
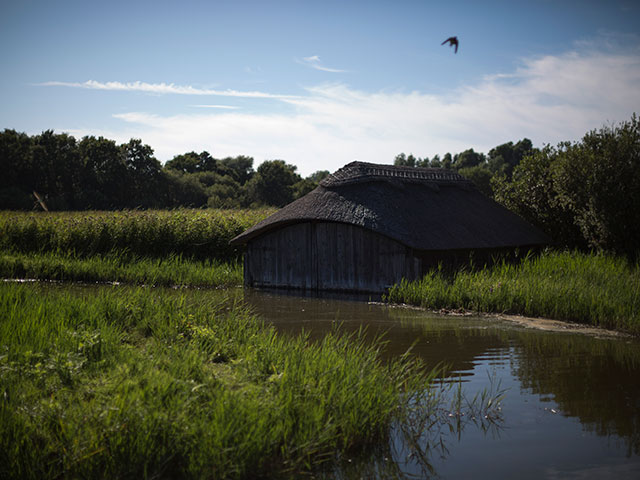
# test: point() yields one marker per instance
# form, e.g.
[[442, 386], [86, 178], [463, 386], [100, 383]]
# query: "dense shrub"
[[584, 194]]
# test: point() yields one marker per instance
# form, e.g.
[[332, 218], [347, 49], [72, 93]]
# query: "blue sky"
[[319, 83]]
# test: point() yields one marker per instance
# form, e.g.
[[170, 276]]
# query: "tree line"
[[57, 172], [476, 166], [584, 194]]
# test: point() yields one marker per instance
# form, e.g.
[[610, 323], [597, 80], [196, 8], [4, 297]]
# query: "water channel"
[[572, 404]]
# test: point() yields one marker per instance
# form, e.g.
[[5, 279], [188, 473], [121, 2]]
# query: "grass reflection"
[[589, 378]]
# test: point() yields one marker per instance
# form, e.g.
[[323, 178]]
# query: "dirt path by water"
[[560, 326], [533, 322]]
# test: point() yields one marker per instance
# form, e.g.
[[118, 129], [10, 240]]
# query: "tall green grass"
[[152, 233], [601, 290], [171, 270], [141, 383]]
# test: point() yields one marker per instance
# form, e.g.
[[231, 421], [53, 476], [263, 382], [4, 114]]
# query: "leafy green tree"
[[423, 163], [139, 159], [410, 160], [532, 194], [467, 159], [403, 160], [184, 190], [184, 163], [273, 183], [435, 162], [193, 162], [144, 180], [104, 170], [55, 165], [15, 182], [240, 168], [225, 192], [400, 160], [504, 158], [302, 187], [598, 181], [318, 176], [583, 194], [447, 161], [480, 176]]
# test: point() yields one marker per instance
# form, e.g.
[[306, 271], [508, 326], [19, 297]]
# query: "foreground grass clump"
[[156, 233], [601, 290], [140, 383], [172, 270]]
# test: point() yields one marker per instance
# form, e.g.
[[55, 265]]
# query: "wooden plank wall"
[[281, 259], [328, 256]]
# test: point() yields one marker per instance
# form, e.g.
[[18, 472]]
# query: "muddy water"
[[572, 404]]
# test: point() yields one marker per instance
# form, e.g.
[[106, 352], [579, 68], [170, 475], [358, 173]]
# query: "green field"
[[155, 247], [189, 233], [111, 382]]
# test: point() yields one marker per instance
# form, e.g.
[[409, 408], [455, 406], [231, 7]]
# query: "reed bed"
[[597, 289], [143, 383], [151, 233], [171, 270]]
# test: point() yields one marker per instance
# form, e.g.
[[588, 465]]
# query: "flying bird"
[[452, 41]]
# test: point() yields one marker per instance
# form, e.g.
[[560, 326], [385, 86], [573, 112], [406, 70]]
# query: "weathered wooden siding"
[[280, 259], [328, 256]]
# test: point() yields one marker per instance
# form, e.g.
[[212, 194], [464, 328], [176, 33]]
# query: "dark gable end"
[[422, 208]]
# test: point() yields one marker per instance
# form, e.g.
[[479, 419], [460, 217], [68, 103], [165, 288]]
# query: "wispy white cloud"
[[222, 107], [547, 99], [162, 89], [315, 62]]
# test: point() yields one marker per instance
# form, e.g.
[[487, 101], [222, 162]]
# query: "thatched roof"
[[423, 208]]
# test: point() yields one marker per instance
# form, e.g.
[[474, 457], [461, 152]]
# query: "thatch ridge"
[[425, 209], [357, 172]]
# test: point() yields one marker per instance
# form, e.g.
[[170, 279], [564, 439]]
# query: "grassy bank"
[[172, 270], [139, 383], [202, 234], [594, 289]]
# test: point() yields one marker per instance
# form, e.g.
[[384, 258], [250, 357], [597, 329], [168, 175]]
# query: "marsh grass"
[[596, 289], [171, 270], [202, 234], [139, 383]]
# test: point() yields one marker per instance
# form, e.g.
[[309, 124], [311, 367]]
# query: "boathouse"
[[367, 226]]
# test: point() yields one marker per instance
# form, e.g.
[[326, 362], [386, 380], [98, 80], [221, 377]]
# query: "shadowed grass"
[[139, 383], [601, 290], [172, 270]]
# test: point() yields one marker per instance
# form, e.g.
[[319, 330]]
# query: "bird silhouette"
[[452, 41]]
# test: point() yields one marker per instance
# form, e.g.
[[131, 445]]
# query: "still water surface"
[[572, 405]]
